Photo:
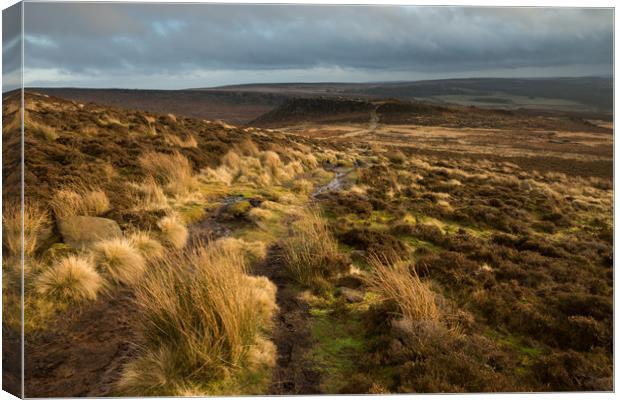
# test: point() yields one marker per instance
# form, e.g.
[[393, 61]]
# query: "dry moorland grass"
[[202, 319], [173, 231], [36, 223], [254, 251], [79, 200], [148, 195], [311, 253], [120, 260], [71, 280], [186, 143], [173, 171], [393, 281], [150, 248], [246, 164]]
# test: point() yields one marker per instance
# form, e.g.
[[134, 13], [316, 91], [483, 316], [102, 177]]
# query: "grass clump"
[[149, 248], [202, 320], [73, 279], [395, 282], [149, 195], [173, 231], [79, 200], [173, 171], [36, 225], [254, 252], [120, 260], [189, 142], [311, 253]]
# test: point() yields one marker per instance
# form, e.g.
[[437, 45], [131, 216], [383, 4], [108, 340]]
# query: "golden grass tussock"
[[189, 142], [173, 171], [262, 353], [247, 148], [310, 253], [173, 231], [253, 251], [201, 321], [294, 168], [246, 164], [302, 186], [36, 222], [79, 200], [394, 281], [149, 248], [120, 260], [271, 160], [260, 213], [148, 195], [73, 279], [232, 160]]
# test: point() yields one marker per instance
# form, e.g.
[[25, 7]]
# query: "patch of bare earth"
[[294, 374], [82, 354]]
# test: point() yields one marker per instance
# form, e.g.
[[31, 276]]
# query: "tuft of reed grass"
[[394, 281], [173, 231], [71, 280], [189, 142], [120, 260], [79, 200], [149, 195], [148, 247], [173, 171], [247, 148], [201, 321], [36, 224], [254, 252], [311, 253]]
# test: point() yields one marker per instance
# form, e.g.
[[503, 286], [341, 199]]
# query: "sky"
[[174, 46]]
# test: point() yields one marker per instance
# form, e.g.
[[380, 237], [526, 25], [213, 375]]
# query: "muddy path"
[[293, 374], [334, 185], [83, 352]]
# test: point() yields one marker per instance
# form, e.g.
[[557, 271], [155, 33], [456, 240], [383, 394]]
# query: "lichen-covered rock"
[[82, 231]]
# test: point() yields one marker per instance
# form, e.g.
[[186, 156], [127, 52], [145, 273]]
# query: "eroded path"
[[82, 353], [293, 373]]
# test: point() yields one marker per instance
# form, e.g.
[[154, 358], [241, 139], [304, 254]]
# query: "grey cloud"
[[11, 47], [157, 39]]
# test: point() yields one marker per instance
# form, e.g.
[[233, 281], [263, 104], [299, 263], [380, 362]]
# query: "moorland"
[[307, 244]]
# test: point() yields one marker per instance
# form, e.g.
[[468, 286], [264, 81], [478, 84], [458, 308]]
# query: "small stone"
[[351, 295]]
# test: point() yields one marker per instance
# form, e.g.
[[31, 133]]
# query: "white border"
[[483, 3]]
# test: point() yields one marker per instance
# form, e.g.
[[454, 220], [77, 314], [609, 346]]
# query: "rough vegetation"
[[338, 258]]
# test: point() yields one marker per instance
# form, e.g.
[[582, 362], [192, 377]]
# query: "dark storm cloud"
[[105, 40], [11, 48]]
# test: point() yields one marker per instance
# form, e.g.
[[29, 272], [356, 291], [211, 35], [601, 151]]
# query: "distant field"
[[507, 101]]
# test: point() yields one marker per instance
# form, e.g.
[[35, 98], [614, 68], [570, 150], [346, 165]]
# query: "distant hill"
[[233, 107], [578, 95], [329, 110], [238, 104]]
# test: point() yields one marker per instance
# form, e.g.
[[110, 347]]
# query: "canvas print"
[[233, 199]]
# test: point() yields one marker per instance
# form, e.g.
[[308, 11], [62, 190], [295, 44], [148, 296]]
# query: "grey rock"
[[83, 231]]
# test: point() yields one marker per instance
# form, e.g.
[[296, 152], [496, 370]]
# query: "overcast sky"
[[192, 45]]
